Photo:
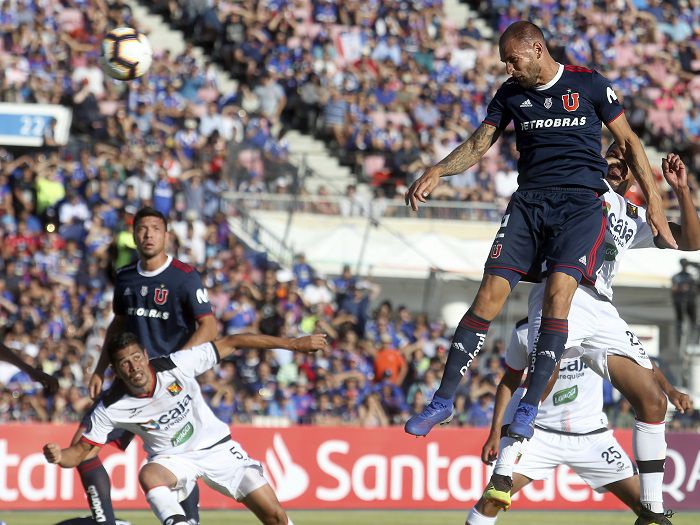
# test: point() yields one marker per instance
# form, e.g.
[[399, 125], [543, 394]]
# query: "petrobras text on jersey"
[[151, 313], [553, 123]]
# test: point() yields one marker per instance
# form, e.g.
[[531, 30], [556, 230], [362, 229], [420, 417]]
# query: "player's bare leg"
[[627, 491], [264, 504], [640, 388], [467, 343], [157, 483], [549, 347]]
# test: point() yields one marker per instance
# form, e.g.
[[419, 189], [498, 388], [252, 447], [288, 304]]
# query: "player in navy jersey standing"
[[554, 216], [163, 301]]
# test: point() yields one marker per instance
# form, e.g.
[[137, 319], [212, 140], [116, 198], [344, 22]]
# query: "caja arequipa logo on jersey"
[[570, 101], [160, 295]]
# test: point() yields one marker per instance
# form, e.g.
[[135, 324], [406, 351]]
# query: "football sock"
[[163, 502], [289, 521], [549, 348], [191, 504], [508, 451], [476, 518], [649, 445], [466, 344], [97, 487]]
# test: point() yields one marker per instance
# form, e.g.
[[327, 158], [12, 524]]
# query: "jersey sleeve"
[[98, 427], [644, 238], [196, 360], [605, 101], [498, 114], [516, 351], [195, 296]]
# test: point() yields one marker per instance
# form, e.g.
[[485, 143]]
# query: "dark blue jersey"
[[558, 127], [161, 306]]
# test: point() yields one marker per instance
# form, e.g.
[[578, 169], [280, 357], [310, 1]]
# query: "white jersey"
[[626, 228], [174, 418], [576, 403]]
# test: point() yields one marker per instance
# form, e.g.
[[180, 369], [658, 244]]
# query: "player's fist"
[[52, 452], [489, 452], [423, 187], [310, 343], [680, 400]]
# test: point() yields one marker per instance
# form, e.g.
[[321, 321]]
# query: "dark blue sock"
[[466, 344], [98, 490], [549, 348], [191, 504]]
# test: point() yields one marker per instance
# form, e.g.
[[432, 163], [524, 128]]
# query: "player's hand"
[[49, 383], [680, 400], [659, 225], [422, 187], [489, 452], [310, 343], [95, 385], [674, 172], [52, 453]]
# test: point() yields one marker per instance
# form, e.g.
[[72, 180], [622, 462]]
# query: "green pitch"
[[365, 518]]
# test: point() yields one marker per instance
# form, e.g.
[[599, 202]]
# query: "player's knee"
[[652, 406], [275, 516], [149, 478]]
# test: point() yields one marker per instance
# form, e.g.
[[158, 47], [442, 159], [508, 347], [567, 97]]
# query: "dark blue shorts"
[[118, 437], [562, 227]]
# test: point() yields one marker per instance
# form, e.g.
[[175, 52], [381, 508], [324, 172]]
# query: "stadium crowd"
[[174, 141], [393, 86]]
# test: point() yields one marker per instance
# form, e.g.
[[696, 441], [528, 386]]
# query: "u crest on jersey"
[[160, 295], [570, 101]]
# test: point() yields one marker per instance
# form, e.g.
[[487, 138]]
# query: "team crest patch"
[[144, 291], [160, 295], [174, 388], [570, 101], [548, 102], [632, 210]]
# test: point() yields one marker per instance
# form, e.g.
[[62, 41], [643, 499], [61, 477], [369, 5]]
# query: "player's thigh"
[[541, 455], [599, 459], [185, 470], [575, 243], [228, 469], [264, 504], [517, 244], [153, 475]]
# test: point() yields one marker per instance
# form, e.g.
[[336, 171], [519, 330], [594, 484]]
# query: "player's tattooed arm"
[[470, 151], [461, 159]]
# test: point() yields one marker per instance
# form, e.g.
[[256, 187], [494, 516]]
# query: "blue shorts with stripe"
[[563, 227]]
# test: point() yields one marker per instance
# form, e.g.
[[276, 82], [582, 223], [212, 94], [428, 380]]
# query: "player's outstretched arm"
[[687, 233], [638, 162], [49, 383], [117, 326], [504, 393], [227, 345], [461, 159], [680, 400], [67, 457]]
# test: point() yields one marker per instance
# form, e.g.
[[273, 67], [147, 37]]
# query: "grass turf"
[[321, 517]]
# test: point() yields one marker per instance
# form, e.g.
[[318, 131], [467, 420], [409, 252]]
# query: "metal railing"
[[358, 207]]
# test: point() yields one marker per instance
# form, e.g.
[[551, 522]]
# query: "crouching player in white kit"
[[570, 429], [605, 341], [161, 401]]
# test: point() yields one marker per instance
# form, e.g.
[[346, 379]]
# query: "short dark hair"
[[521, 31], [147, 211], [121, 341]]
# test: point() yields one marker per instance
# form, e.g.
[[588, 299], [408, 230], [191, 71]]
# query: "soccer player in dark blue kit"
[[163, 301], [555, 215]]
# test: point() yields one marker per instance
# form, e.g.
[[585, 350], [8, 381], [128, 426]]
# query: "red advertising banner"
[[332, 468]]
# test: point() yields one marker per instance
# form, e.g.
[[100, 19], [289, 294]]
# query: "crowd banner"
[[333, 468]]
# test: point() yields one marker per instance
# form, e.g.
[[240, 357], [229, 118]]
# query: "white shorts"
[[226, 468], [596, 331], [597, 458]]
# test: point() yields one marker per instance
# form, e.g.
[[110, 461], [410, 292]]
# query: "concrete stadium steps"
[[162, 36], [459, 12]]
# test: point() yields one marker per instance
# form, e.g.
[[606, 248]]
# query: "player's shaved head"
[[522, 31]]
